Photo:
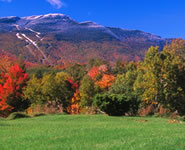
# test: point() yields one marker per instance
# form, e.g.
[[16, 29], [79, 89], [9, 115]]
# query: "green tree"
[[64, 88], [88, 90], [33, 91], [50, 88], [124, 86], [77, 72]]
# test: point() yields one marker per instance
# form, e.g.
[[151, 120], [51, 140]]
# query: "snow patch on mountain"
[[31, 41], [43, 16], [37, 33], [152, 36], [31, 17], [17, 26], [34, 43], [37, 36], [33, 31], [91, 24], [54, 15], [18, 36], [9, 17]]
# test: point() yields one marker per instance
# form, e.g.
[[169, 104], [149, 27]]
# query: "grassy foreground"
[[81, 132]]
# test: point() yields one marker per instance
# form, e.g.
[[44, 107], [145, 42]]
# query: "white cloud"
[[6, 0], [56, 3]]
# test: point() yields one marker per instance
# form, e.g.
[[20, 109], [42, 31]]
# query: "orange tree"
[[74, 107], [106, 81]]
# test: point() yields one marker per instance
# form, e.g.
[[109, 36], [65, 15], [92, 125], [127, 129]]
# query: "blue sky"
[[165, 18]]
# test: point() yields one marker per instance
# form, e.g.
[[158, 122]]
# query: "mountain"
[[58, 39]]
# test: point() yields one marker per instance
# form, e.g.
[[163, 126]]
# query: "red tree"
[[11, 88]]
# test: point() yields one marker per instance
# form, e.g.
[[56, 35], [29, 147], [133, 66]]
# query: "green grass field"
[[98, 132]]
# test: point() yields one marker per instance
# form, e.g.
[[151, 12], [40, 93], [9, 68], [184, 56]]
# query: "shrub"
[[17, 115], [112, 104]]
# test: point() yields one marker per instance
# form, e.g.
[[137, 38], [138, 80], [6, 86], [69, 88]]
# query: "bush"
[[113, 104], [17, 115]]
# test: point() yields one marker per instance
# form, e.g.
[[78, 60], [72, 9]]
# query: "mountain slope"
[[58, 39]]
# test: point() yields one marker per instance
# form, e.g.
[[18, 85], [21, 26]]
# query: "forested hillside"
[[153, 86]]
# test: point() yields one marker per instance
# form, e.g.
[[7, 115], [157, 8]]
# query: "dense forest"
[[153, 86]]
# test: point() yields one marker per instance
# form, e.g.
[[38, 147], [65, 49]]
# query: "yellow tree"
[[173, 79], [148, 83]]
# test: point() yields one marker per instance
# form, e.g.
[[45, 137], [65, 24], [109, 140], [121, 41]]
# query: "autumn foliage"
[[11, 88], [74, 107], [6, 63], [116, 89], [106, 81], [95, 71]]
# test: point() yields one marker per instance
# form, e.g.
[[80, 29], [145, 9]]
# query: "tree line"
[[124, 88]]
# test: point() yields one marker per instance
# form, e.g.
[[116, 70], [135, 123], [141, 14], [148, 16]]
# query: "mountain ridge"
[[49, 38]]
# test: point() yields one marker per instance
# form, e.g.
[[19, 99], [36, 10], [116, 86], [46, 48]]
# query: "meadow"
[[91, 132]]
